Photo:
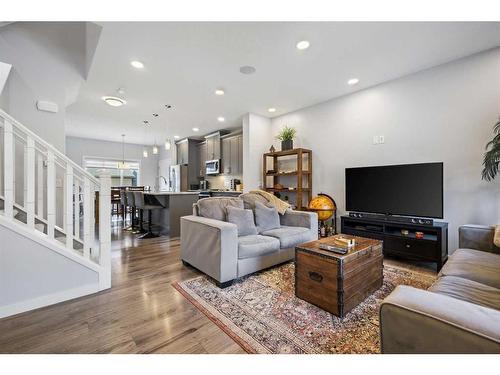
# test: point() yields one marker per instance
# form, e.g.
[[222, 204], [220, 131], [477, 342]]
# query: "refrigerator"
[[178, 178]]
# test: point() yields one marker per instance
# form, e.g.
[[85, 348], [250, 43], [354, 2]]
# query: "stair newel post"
[[88, 218], [51, 193], [69, 206], [105, 230], [30, 182], [8, 167]]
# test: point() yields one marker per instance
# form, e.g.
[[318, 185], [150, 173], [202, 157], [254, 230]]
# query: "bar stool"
[[131, 203], [123, 202], [141, 204]]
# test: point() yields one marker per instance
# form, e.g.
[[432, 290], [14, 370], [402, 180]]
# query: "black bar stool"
[[123, 202], [142, 204], [131, 204]]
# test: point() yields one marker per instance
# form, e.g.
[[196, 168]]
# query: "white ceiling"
[[186, 62]]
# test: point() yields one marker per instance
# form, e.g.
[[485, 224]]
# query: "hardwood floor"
[[141, 313]]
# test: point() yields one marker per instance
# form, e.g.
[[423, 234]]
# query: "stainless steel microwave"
[[212, 166]]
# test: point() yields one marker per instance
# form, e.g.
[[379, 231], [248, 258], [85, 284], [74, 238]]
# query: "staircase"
[[51, 249]]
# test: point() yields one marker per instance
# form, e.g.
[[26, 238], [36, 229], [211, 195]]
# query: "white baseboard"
[[48, 299]]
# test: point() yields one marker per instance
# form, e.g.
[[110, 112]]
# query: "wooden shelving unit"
[[303, 171]]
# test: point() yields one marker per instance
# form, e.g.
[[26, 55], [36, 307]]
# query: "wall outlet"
[[376, 139], [381, 139]]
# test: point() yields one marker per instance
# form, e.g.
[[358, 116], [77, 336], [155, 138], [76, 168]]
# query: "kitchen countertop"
[[172, 193]]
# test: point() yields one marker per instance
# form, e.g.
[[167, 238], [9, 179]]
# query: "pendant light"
[[155, 149], [122, 164], [168, 145]]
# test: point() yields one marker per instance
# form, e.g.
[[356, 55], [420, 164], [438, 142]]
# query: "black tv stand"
[[432, 248]]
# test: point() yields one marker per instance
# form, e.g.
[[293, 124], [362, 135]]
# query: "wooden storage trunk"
[[338, 283]]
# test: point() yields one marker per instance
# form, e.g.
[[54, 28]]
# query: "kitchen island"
[[166, 220]]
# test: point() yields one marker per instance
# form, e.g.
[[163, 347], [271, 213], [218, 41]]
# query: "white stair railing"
[[44, 190]]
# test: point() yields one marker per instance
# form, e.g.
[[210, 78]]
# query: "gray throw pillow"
[[243, 219], [266, 218]]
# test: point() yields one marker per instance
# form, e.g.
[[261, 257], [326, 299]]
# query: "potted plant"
[[491, 162], [286, 136]]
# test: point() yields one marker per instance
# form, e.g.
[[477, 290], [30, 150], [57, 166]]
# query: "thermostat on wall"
[[46, 106]]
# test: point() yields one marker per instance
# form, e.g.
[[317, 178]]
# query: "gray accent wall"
[[441, 114]]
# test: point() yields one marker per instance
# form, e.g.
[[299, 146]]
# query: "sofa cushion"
[[243, 219], [289, 236], [216, 207], [266, 218], [474, 265], [256, 245], [468, 290]]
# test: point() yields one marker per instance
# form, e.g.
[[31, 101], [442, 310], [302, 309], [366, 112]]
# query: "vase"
[[287, 145]]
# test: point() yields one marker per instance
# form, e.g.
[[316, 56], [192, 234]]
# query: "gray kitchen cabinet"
[[226, 156], [213, 146], [232, 155], [183, 152], [201, 150], [240, 154]]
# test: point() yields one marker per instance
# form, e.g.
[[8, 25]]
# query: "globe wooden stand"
[[333, 218]]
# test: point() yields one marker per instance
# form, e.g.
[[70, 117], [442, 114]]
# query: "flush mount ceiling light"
[[221, 119], [247, 69], [114, 101], [353, 81], [196, 129], [176, 137], [137, 64], [303, 44], [272, 110], [219, 92]]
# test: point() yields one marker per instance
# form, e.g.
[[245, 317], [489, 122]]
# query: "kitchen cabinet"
[[183, 151], [213, 146], [232, 155], [201, 150]]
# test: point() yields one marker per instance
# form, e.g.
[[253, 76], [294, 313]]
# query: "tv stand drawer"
[[418, 248]]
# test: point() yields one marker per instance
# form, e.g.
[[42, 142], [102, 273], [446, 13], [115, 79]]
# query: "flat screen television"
[[406, 190]]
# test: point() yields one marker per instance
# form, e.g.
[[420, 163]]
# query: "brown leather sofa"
[[459, 313]]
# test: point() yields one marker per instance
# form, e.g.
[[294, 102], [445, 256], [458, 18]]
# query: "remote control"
[[334, 249]]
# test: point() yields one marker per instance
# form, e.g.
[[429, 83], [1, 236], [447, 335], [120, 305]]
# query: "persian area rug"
[[261, 313]]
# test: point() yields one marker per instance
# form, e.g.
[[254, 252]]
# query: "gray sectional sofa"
[[212, 245], [459, 313]]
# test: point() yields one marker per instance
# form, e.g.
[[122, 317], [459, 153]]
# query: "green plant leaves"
[[491, 162]]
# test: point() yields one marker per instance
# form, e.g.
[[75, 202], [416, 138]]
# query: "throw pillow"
[[266, 218], [496, 239], [243, 219]]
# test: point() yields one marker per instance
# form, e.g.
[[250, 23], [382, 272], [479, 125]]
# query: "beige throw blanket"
[[277, 203], [496, 239]]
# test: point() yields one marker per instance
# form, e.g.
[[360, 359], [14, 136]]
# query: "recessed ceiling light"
[[146, 122], [137, 64], [114, 101], [219, 92], [176, 137], [196, 129], [168, 106], [247, 69], [353, 81], [221, 119], [155, 115], [272, 110], [303, 44]]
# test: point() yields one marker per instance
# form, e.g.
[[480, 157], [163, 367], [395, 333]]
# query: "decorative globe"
[[323, 205]]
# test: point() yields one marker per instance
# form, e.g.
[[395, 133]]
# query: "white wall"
[[441, 114], [50, 60], [77, 148], [257, 139]]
